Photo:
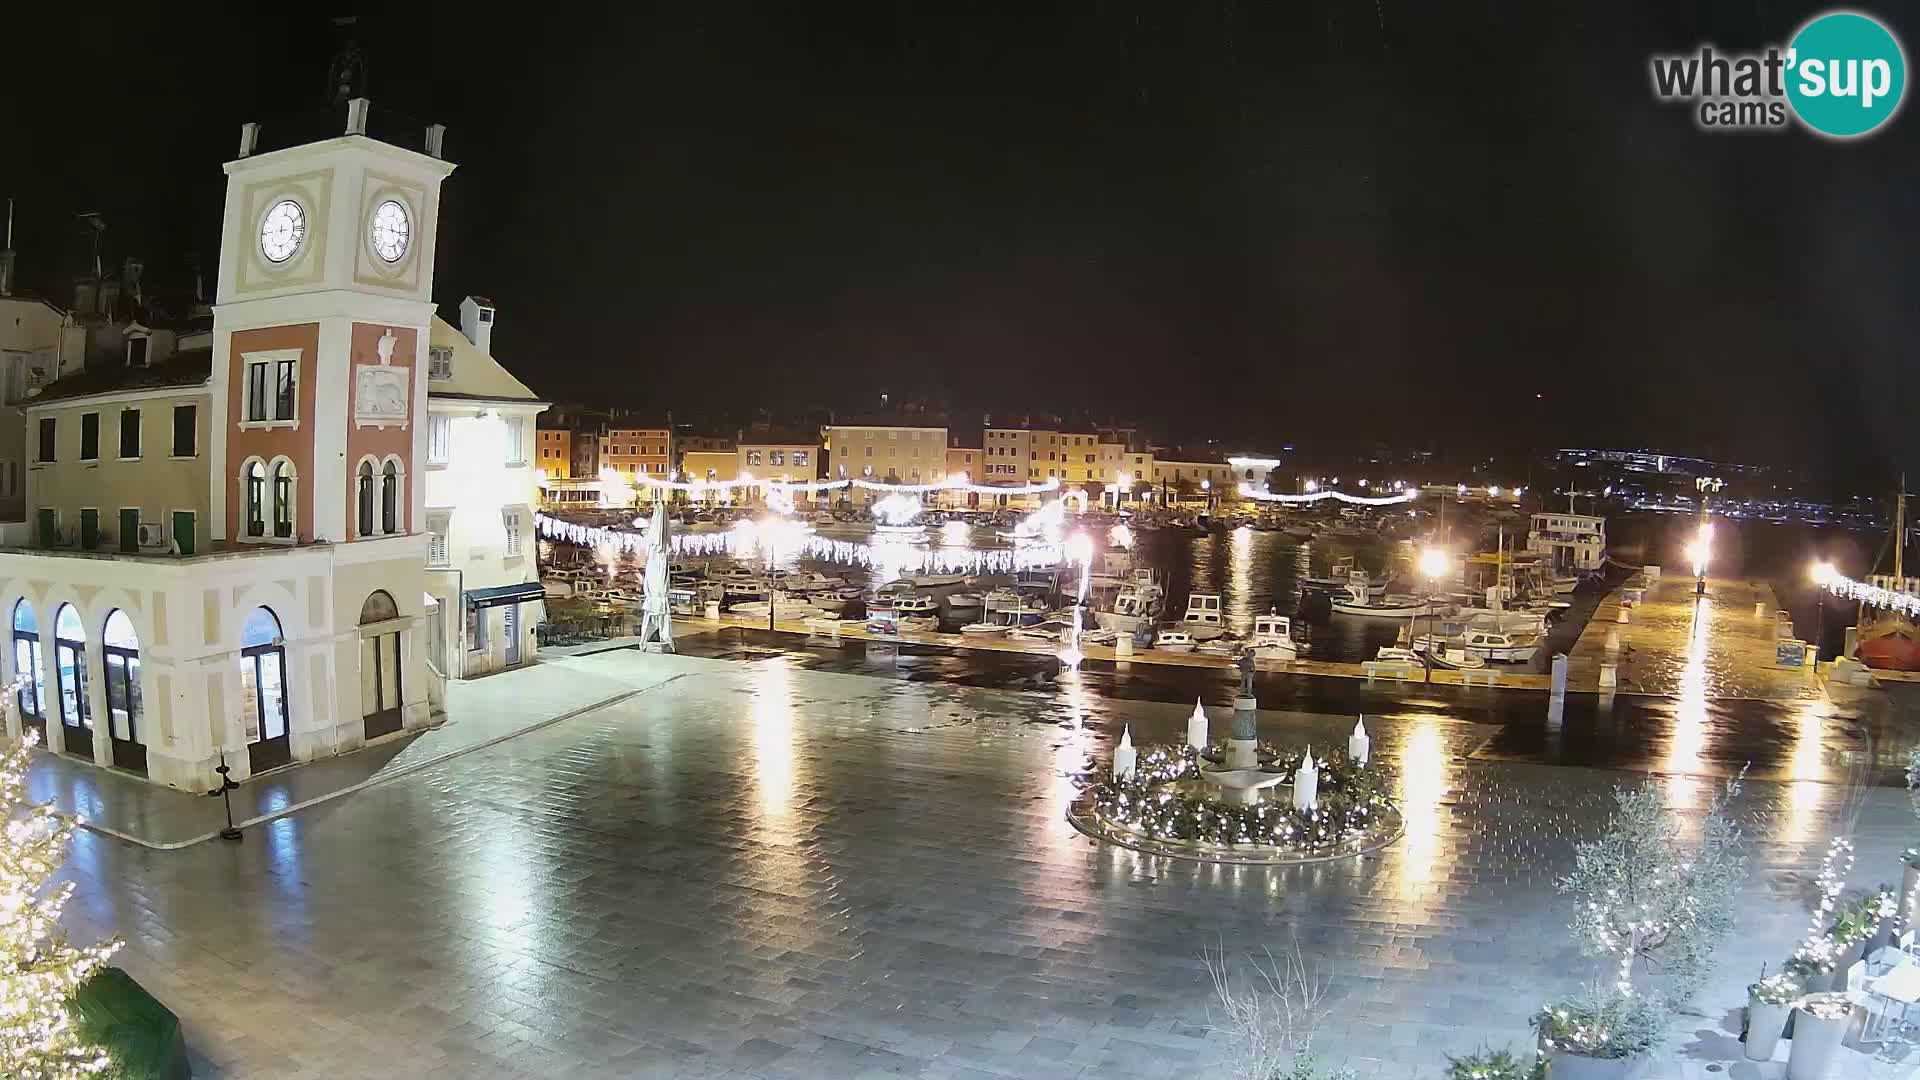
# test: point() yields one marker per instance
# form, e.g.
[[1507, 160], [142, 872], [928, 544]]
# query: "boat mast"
[[1900, 537]]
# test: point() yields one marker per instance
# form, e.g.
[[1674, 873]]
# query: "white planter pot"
[[1764, 1024], [1564, 1066], [1816, 1045]]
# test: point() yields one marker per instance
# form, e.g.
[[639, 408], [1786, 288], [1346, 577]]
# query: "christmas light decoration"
[[39, 970], [1871, 595], [1247, 491], [1156, 801], [956, 482]]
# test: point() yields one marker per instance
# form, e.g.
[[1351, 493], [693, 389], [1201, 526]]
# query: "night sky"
[[1334, 220]]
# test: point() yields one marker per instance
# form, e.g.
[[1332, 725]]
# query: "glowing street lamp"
[[1312, 486], [1698, 553], [1824, 576], [1434, 564]]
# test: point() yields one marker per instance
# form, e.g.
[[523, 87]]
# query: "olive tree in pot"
[[1655, 904]]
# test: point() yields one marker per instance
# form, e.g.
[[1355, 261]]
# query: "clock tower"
[[323, 302]]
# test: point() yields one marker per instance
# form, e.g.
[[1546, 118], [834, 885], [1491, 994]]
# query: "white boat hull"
[[1504, 654], [1203, 631], [1180, 647], [1275, 650], [1379, 611]]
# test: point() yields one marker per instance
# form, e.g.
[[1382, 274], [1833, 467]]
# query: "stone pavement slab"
[[757, 871], [1676, 647], [480, 712]]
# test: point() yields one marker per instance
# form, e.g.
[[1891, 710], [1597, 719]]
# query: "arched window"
[[26, 661], [70, 666], [378, 608], [256, 479], [390, 497], [365, 498], [283, 476], [263, 685], [120, 649]]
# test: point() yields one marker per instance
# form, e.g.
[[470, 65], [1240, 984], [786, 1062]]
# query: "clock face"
[[391, 230], [282, 231]]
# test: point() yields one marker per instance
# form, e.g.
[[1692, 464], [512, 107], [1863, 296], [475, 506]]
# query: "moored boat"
[[1889, 640]]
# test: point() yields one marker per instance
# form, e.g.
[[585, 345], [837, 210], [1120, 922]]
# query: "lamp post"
[[1434, 565], [1822, 574]]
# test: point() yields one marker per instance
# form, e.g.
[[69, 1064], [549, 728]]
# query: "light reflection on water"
[[1424, 780]]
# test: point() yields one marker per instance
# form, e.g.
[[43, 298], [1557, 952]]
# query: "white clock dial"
[[282, 231], [391, 230]]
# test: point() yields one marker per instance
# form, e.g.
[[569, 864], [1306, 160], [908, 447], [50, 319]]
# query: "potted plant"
[[1769, 1002], [1601, 1034], [1819, 1023], [1494, 1065]]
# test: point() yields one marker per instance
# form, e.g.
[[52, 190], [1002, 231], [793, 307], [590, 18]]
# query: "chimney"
[[476, 321]]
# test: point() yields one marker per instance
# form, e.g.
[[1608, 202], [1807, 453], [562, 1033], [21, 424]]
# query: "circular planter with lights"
[[1181, 803]]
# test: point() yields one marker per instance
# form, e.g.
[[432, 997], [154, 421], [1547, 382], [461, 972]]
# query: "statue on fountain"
[[1245, 663]]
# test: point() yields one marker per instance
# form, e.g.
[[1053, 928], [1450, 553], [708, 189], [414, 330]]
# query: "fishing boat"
[[984, 629], [1273, 638], [1888, 639], [743, 589], [785, 609], [1394, 654], [1137, 604], [1011, 607], [1171, 640], [964, 606], [1502, 647], [1220, 646], [1455, 659], [1392, 606], [834, 601], [693, 599], [915, 606], [1203, 620]]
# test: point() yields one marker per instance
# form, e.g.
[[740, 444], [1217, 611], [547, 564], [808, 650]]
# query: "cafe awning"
[[506, 594]]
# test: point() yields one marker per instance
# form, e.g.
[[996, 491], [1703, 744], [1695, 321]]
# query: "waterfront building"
[[586, 446], [1008, 460], [1253, 470], [638, 451], [480, 491], [790, 456], [1571, 541], [889, 453], [238, 572], [710, 466], [553, 451], [1179, 480], [39, 342], [963, 461]]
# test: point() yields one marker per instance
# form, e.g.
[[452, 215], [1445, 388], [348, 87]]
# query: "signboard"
[[1788, 652]]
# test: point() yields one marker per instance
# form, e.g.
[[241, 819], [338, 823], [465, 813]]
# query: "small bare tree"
[[1271, 1015]]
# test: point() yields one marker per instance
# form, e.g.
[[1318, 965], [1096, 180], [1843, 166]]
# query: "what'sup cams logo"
[[1842, 76]]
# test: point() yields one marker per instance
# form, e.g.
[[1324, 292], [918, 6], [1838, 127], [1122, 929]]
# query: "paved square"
[[752, 871]]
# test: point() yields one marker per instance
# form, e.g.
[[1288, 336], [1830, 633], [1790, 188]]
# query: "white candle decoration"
[[1357, 743], [1124, 755], [1197, 727], [1306, 784]]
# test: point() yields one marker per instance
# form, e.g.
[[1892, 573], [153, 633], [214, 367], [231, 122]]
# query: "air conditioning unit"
[[152, 537]]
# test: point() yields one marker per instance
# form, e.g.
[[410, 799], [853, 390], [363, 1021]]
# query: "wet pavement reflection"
[[1692, 734]]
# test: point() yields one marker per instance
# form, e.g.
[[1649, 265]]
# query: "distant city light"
[[1313, 485], [1493, 490]]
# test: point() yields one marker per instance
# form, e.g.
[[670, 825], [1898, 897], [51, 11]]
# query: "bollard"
[[1123, 645], [1624, 615], [1760, 609], [1613, 639], [713, 610], [1609, 675], [1559, 674]]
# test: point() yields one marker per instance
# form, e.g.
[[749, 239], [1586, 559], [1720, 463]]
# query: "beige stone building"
[[887, 454]]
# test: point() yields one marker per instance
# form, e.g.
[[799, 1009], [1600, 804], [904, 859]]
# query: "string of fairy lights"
[[1248, 491], [1869, 594], [958, 482]]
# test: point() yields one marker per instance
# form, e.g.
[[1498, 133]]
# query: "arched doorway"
[[70, 668], [263, 692], [380, 665], [26, 662], [120, 649]]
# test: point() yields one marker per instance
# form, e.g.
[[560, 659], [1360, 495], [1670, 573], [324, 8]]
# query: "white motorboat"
[[964, 605], [1137, 604], [834, 601], [809, 581], [823, 517], [1344, 576], [1504, 620], [1394, 654], [1501, 647], [1014, 608], [1204, 620], [984, 629], [784, 610], [693, 599], [1397, 606], [1098, 637], [1033, 633], [937, 581], [916, 605], [742, 589], [1456, 658], [1220, 646], [1273, 638], [1565, 585], [1171, 640]]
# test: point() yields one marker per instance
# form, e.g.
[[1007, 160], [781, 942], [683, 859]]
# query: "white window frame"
[[439, 550], [438, 452], [516, 440], [510, 520], [272, 358]]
